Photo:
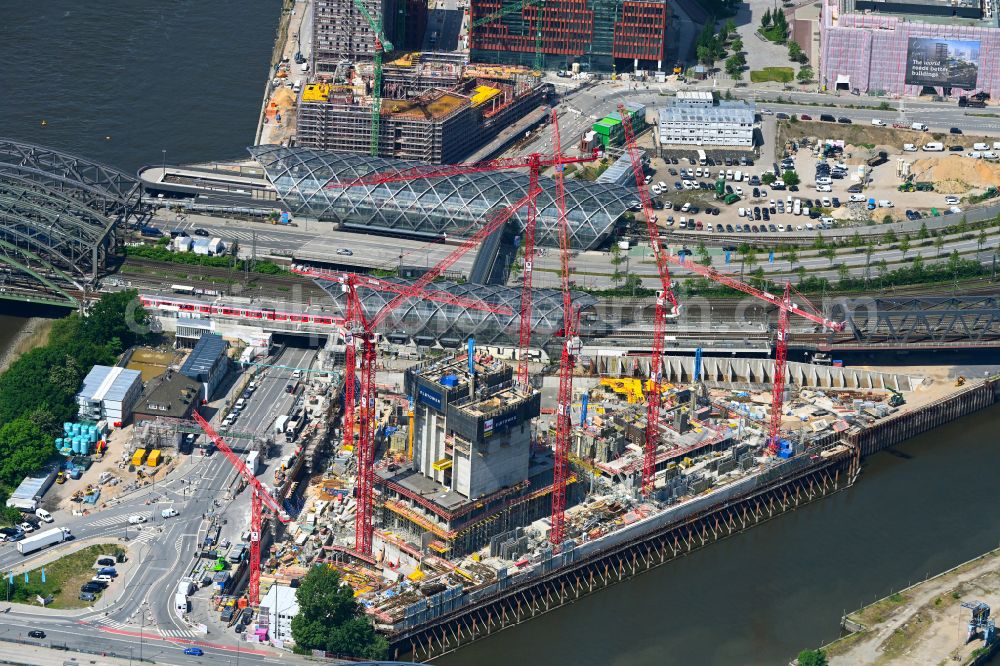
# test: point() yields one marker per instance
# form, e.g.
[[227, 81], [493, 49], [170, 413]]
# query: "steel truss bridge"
[[61, 219], [927, 321]]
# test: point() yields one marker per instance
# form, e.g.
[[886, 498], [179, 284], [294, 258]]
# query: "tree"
[[330, 619], [923, 233], [790, 178], [981, 240], [829, 253], [616, 261], [805, 74], [24, 447], [939, 244], [768, 178], [889, 237], [801, 272], [791, 255], [904, 245], [116, 320], [819, 243], [794, 51], [856, 240], [765, 20], [705, 55], [734, 66], [882, 266], [843, 273], [729, 27], [737, 45], [812, 658]]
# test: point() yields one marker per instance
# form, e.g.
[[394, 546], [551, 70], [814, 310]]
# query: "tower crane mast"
[[382, 46], [259, 497], [666, 306]]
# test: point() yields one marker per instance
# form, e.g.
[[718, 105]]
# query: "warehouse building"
[[911, 47], [29, 493], [599, 35], [207, 363], [695, 119], [109, 393]]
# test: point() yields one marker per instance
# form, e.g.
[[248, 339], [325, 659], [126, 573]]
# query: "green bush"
[[159, 253]]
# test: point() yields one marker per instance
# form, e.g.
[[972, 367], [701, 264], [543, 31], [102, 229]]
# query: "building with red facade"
[[599, 35]]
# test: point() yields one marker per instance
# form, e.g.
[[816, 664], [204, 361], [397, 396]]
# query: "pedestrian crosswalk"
[[152, 631], [120, 519]]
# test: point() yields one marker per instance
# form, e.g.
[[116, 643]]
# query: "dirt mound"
[[955, 174]]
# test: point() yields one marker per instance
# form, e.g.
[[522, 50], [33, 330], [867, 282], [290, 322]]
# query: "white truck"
[[43, 540], [280, 422], [920, 127], [933, 147]]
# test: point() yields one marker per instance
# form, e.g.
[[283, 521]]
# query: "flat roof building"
[[694, 119], [207, 363], [109, 393], [279, 606]]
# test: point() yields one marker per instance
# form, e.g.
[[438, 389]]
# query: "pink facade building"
[[910, 47]]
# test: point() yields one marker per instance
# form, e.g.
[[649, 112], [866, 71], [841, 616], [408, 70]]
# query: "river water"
[[760, 597], [120, 81]]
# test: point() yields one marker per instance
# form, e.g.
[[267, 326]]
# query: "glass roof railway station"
[[280, 178]]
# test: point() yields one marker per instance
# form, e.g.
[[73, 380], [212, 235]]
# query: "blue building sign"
[[429, 397], [499, 424]]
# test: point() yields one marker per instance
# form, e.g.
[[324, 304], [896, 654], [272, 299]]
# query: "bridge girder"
[[61, 218]]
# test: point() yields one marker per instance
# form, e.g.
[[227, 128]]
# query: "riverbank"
[[924, 623], [34, 334]]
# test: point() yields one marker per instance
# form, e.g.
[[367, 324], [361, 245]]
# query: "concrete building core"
[[472, 429]]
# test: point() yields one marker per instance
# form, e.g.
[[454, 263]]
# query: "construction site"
[[467, 490], [432, 110]]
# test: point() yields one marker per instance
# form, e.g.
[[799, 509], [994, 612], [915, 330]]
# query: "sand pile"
[[955, 174]]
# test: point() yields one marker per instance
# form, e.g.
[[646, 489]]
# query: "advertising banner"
[[942, 62]]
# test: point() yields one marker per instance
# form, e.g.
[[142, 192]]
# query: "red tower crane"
[[780, 355], [363, 328], [664, 298], [259, 496], [784, 305], [570, 350]]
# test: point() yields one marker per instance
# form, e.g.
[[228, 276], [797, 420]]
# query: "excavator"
[[896, 399], [960, 381]]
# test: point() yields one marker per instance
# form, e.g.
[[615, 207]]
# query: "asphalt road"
[[141, 617]]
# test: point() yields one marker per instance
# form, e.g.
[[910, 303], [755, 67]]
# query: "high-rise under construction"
[[598, 35], [340, 31]]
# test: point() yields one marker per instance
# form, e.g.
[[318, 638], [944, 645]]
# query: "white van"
[[297, 86], [933, 147], [996, 145], [741, 212], [884, 203], [738, 176], [878, 122], [980, 146], [909, 147], [729, 174], [920, 127]]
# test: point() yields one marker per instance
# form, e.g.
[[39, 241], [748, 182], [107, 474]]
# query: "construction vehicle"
[[678, 69], [896, 399], [960, 381]]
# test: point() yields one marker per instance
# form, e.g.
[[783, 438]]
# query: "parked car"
[[87, 596], [26, 527], [106, 562]]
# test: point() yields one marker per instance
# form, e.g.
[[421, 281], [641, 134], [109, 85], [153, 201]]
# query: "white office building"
[[695, 119], [279, 606], [109, 393]]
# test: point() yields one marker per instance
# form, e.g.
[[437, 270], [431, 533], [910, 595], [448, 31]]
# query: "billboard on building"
[[942, 62]]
